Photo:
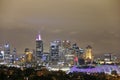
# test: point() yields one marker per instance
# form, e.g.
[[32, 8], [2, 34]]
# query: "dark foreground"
[[12, 73]]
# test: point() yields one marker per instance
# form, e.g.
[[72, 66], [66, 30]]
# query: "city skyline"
[[94, 23]]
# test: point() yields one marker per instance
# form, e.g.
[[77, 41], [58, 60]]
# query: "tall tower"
[[39, 46], [54, 51], [88, 54], [7, 48], [7, 53], [66, 44], [14, 55], [28, 55]]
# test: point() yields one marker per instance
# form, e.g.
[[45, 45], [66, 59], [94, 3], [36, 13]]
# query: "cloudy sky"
[[86, 22]]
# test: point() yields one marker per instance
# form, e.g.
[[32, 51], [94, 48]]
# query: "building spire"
[[38, 38]]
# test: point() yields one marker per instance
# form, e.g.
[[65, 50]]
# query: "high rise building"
[[77, 54], [39, 46], [88, 54], [54, 51], [7, 48], [14, 55], [1, 55], [28, 55], [66, 44], [7, 56]]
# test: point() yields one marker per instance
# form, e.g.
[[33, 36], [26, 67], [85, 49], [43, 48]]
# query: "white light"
[[2, 52], [68, 41], [38, 37]]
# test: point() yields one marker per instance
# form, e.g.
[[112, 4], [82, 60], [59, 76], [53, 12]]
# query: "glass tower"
[[39, 46]]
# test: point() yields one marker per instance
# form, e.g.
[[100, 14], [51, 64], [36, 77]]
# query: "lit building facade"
[[28, 57], [78, 52], [88, 54], [54, 51], [107, 57], [14, 56], [7, 56], [39, 46], [66, 44], [1, 55], [7, 48]]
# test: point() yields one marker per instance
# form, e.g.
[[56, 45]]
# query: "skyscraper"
[[1, 55], [66, 44], [7, 56], [54, 51], [14, 55], [7, 48], [39, 46], [28, 55], [88, 54]]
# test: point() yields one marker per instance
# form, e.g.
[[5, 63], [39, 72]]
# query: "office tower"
[[107, 57], [28, 55], [88, 54], [81, 60], [74, 46], [76, 52], [7, 48], [1, 55], [39, 46], [28, 58], [66, 44], [14, 55], [14, 51], [7, 56], [54, 51]]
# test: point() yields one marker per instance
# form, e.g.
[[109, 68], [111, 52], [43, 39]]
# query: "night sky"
[[85, 22]]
